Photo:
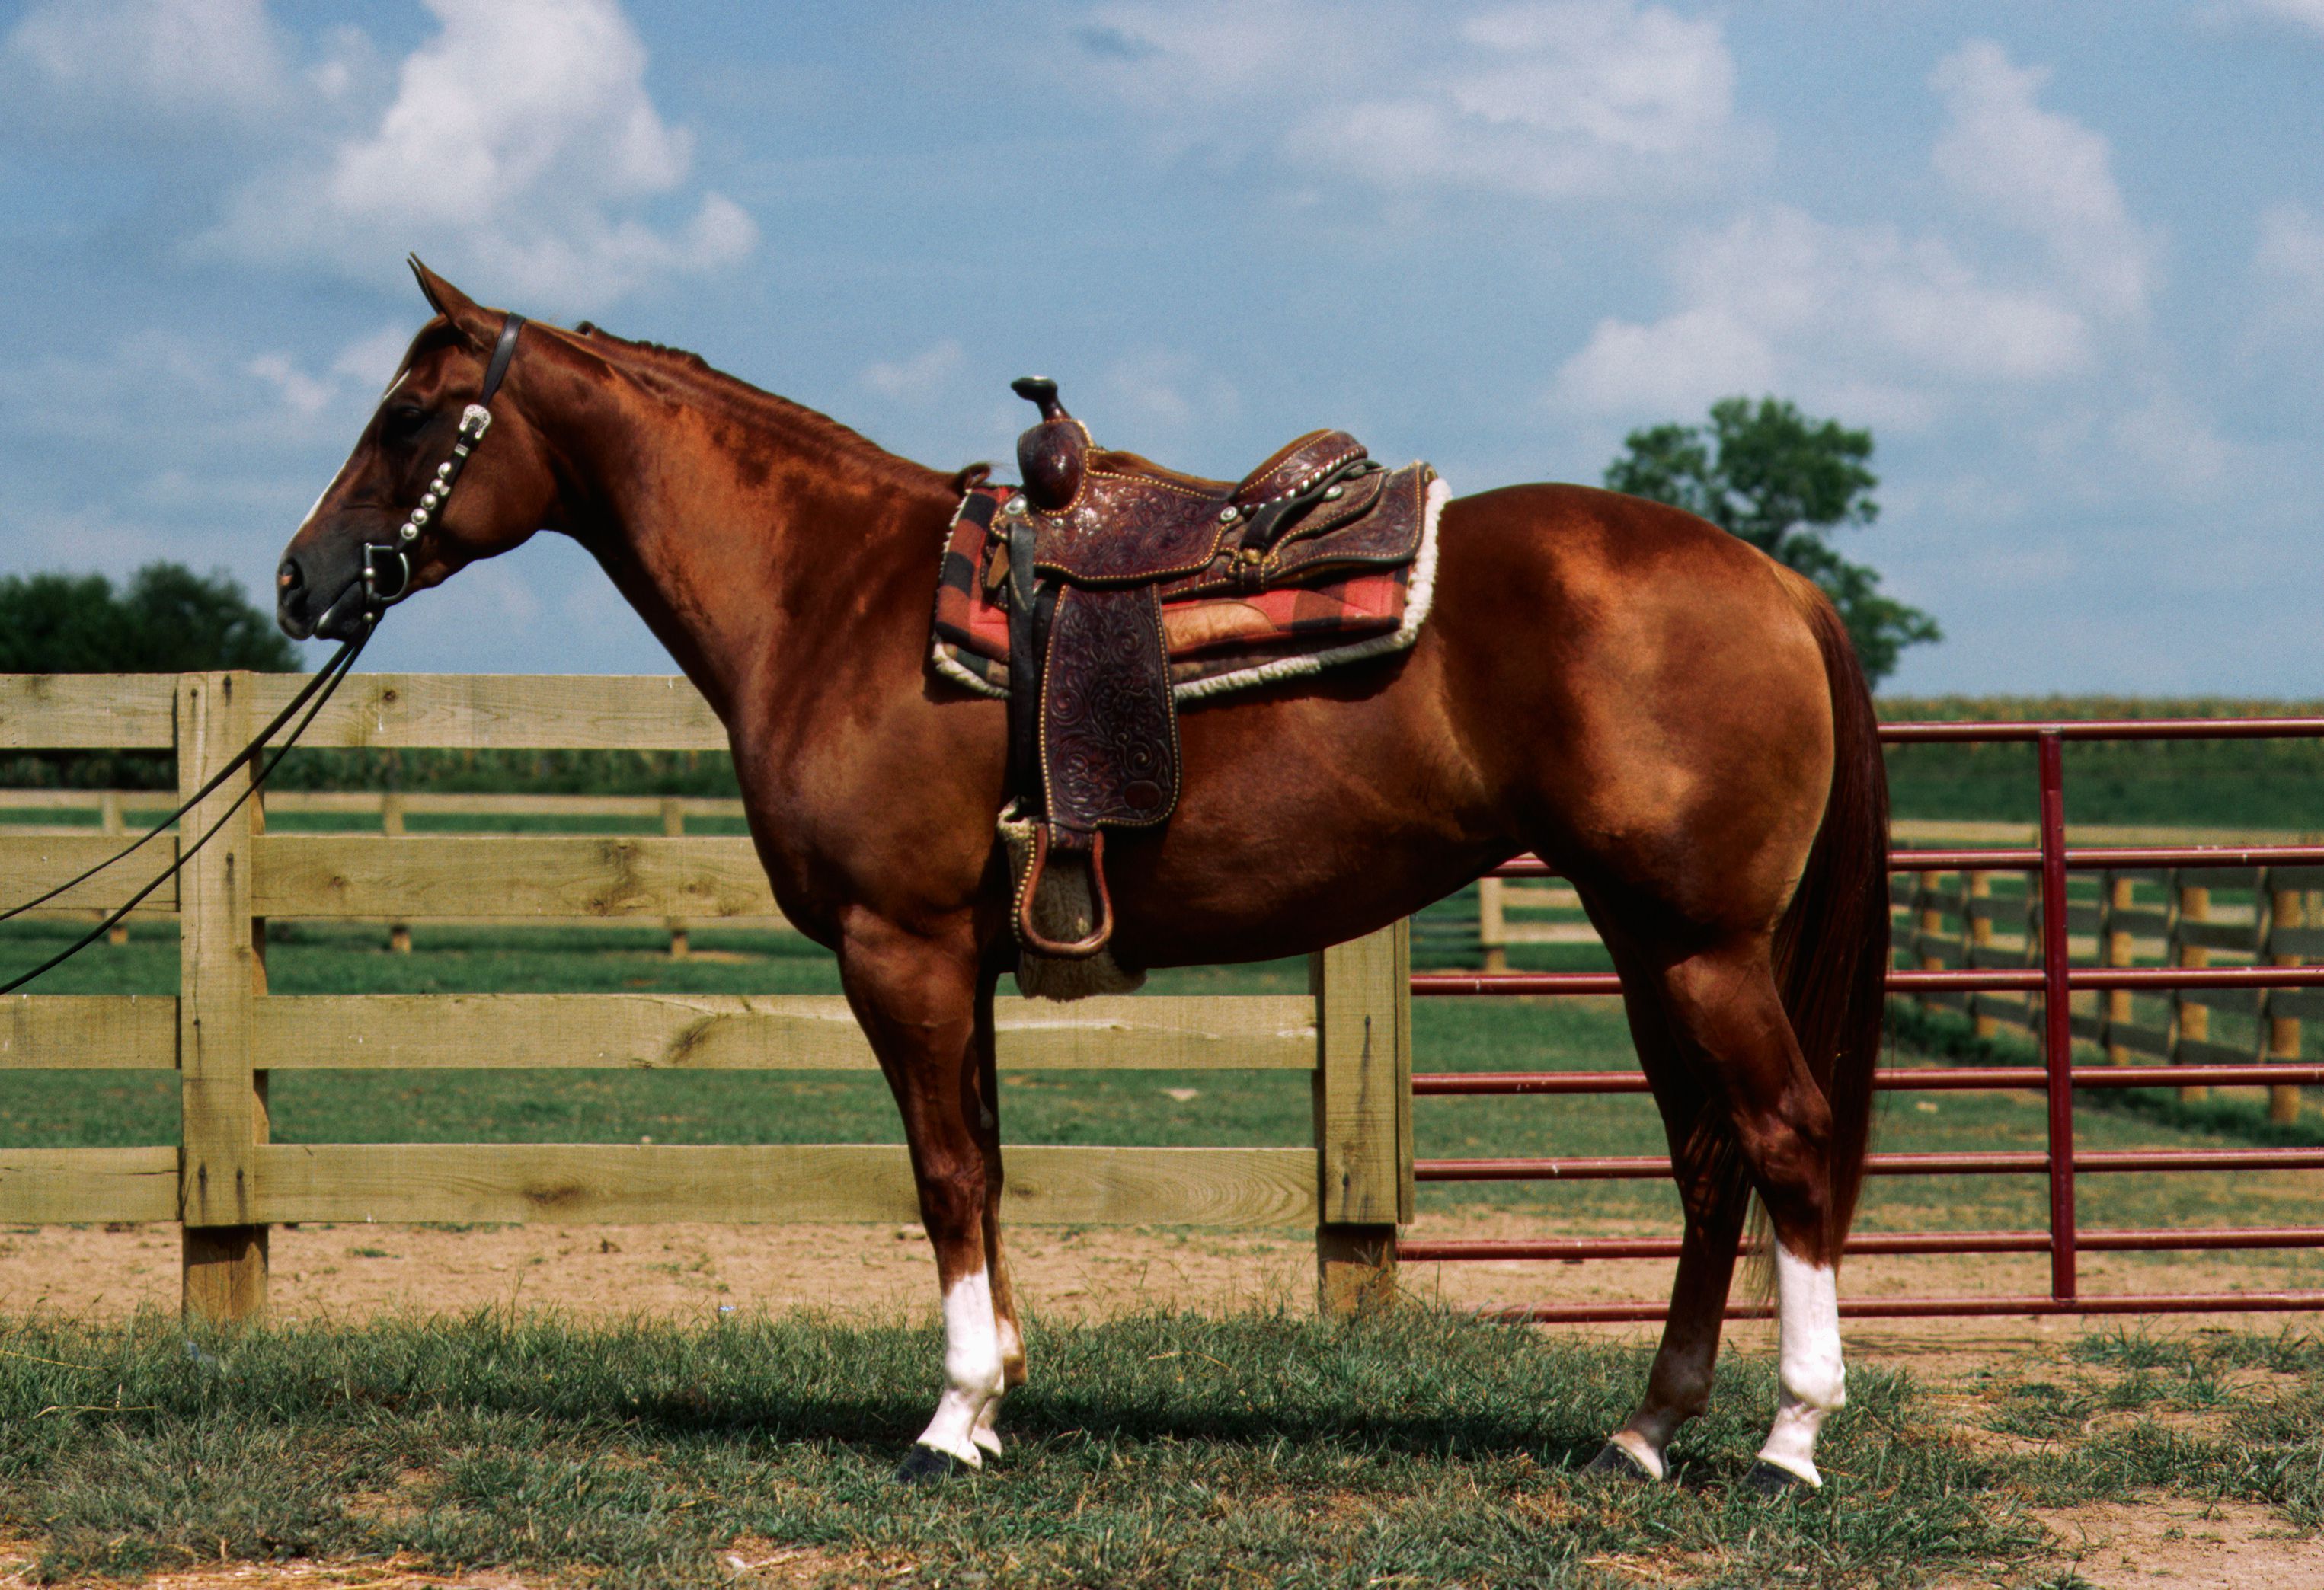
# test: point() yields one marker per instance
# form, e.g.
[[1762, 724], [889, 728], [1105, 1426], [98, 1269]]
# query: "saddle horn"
[[1052, 455]]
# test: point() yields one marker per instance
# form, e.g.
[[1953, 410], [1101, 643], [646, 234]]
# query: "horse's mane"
[[690, 378]]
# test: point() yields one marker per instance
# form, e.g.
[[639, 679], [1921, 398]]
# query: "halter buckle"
[[376, 597]]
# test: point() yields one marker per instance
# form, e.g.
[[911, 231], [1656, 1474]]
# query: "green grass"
[[1155, 1450]]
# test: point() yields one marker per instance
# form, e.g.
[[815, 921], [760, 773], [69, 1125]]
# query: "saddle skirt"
[[1219, 638]]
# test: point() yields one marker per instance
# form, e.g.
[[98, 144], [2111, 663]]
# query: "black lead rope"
[[319, 689]]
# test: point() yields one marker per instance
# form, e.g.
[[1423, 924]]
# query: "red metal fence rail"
[[2054, 979]]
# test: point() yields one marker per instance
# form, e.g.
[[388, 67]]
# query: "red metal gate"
[[2053, 979]]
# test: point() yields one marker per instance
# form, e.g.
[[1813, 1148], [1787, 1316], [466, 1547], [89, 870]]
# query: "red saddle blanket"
[[1217, 643]]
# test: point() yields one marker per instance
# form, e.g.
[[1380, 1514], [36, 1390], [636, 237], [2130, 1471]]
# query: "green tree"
[[169, 619], [1783, 483]]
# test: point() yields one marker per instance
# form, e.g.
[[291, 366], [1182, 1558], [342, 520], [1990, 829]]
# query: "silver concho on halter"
[[476, 419]]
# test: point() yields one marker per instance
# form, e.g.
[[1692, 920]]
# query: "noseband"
[[387, 565]]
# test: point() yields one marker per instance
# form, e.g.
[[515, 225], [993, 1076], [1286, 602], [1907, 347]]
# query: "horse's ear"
[[467, 317]]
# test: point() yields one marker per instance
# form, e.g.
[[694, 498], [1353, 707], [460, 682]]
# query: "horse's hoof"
[[926, 1466], [1617, 1462], [1768, 1480]]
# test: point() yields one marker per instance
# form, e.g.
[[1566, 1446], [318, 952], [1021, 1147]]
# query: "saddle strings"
[[320, 688]]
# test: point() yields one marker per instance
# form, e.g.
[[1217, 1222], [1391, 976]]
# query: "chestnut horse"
[[1674, 721]]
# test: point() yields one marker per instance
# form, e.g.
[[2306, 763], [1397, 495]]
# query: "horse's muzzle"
[[329, 593], [291, 603]]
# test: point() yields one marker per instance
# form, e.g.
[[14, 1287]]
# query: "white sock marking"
[[1808, 1363], [972, 1376], [987, 1434]]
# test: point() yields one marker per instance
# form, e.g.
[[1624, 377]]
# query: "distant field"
[[2212, 784], [2252, 783]]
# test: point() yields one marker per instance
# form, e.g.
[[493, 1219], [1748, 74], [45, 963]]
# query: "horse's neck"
[[724, 552]]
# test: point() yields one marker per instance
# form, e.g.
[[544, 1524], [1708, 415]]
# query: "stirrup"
[[1032, 937]]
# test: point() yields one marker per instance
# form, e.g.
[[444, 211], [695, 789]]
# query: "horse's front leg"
[[915, 995], [987, 1433]]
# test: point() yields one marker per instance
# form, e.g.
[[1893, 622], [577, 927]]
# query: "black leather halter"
[[387, 565]]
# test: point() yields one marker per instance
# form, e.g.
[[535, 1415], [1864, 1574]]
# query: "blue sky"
[[2067, 262]]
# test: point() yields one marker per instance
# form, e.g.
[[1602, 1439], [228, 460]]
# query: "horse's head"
[[504, 493]]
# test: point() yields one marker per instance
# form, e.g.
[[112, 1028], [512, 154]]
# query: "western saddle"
[[1090, 548]]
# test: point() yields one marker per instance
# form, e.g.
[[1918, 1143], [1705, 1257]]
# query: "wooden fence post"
[[221, 970], [1363, 1115], [673, 823], [391, 823], [2284, 1031], [109, 820], [1493, 924], [1929, 913], [2194, 1021], [1978, 924], [2120, 895]]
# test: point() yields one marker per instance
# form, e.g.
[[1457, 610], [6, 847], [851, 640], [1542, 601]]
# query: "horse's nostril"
[[287, 578]]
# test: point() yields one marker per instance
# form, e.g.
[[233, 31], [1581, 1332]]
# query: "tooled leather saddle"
[[1087, 553]]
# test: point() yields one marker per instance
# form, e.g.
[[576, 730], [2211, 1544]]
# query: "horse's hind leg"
[[1714, 1197], [1724, 1014]]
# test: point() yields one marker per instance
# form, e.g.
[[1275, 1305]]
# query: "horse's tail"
[[1831, 946]]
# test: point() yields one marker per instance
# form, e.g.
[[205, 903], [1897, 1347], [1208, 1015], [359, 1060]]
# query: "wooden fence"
[[112, 811], [223, 1033], [2151, 916]]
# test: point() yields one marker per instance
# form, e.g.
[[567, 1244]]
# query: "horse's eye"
[[402, 422]]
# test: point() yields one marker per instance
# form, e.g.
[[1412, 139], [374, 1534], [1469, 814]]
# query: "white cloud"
[[2175, 446], [371, 361], [519, 144], [2307, 14], [1197, 53], [1892, 328], [2290, 259], [919, 378], [1673, 365], [1159, 392], [1857, 317], [2041, 174], [350, 384], [1554, 99], [301, 393], [196, 60]]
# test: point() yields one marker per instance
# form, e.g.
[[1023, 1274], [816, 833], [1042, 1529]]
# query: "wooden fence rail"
[[2156, 916], [225, 1182], [113, 810]]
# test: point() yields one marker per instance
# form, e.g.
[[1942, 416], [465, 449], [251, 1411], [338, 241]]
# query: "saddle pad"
[[1216, 642]]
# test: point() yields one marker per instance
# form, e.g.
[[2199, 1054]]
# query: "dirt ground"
[[350, 1272], [2222, 1546]]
